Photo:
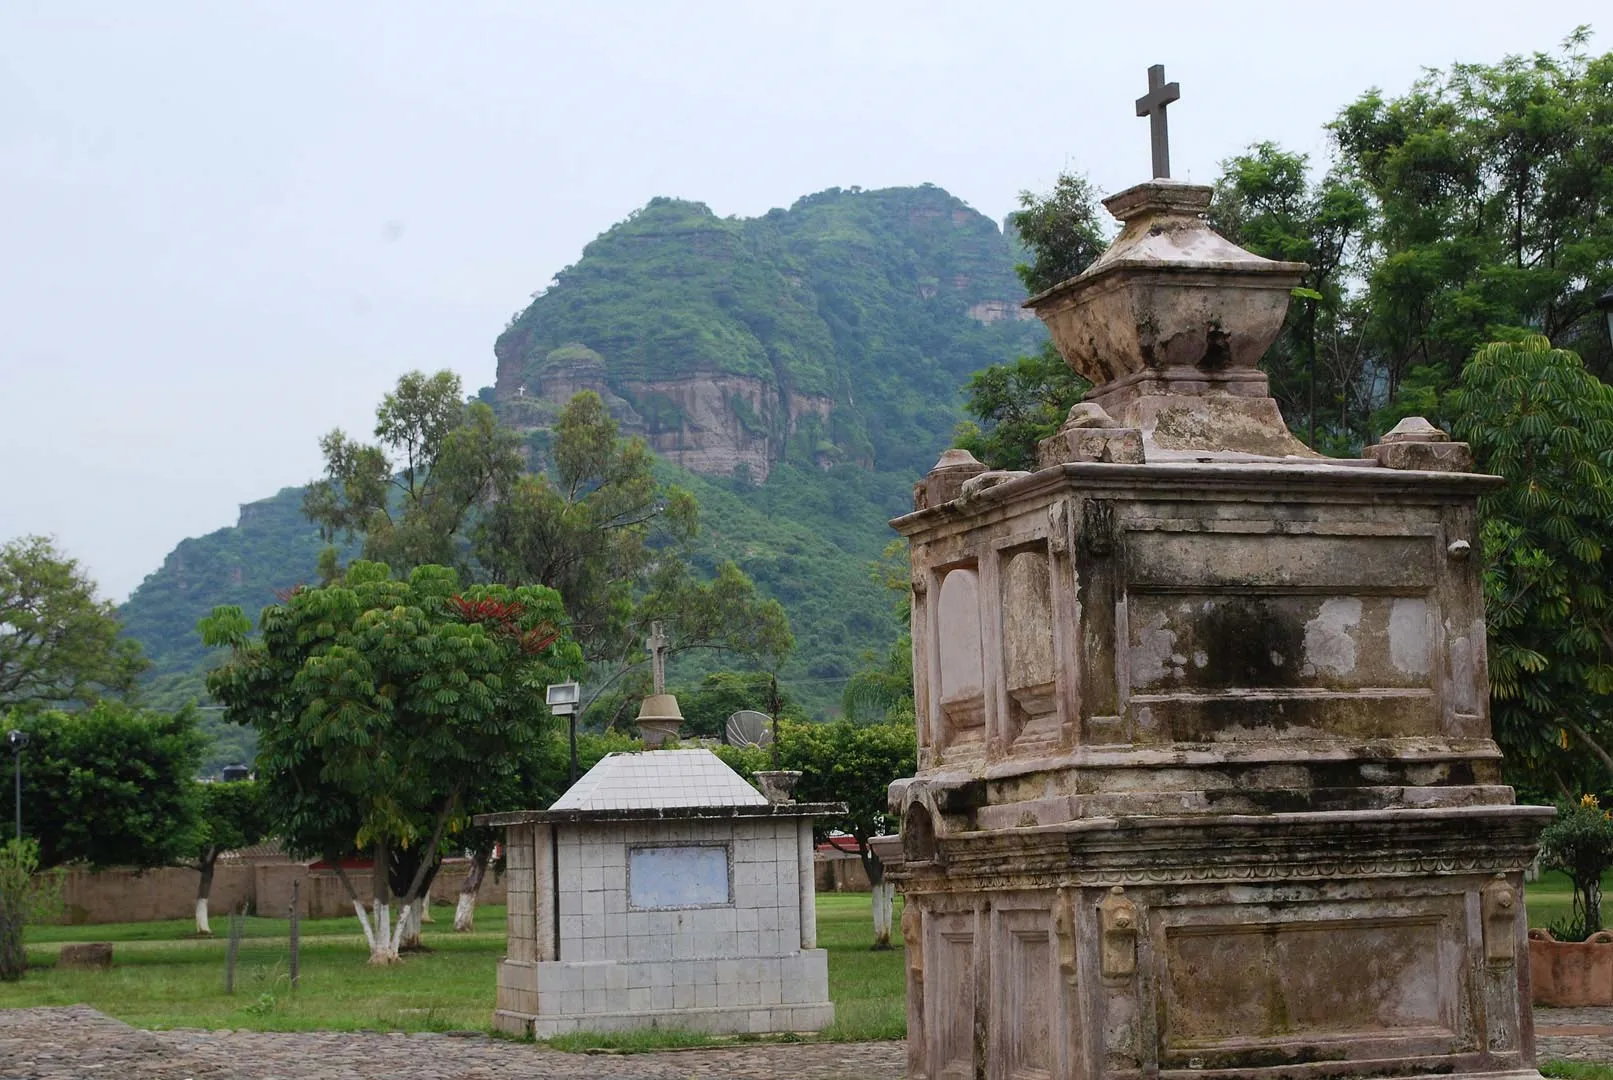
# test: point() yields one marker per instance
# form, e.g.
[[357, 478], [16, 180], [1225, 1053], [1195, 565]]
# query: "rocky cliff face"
[[837, 330]]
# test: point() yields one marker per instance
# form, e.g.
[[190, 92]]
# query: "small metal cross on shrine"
[[1152, 105], [656, 644]]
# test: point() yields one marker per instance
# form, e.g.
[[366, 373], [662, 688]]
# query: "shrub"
[[1580, 843], [25, 896]]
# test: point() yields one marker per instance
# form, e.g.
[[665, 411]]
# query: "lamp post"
[[1605, 305], [17, 740], [562, 699]]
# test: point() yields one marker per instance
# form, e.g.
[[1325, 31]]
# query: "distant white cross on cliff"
[[520, 391], [656, 643], [1152, 105]]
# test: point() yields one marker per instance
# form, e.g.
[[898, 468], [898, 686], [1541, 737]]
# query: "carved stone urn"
[[778, 784], [1168, 325]]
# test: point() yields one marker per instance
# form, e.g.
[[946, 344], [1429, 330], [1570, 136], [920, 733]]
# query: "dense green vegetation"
[[862, 297], [859, 296]]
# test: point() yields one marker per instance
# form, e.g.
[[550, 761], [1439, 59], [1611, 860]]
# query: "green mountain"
[[838, 330], [797, 371]]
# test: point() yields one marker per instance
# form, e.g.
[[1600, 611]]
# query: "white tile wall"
[[595, 922]]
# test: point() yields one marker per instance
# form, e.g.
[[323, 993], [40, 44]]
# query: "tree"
[[593, 526], [707, 707], [854, 764], [412, 495], [1016, 405], [1492, 207], [111, 785], [59, 643], [1534, 415], [1062, 231], [387, 711], [230, 816], [1266, 202]]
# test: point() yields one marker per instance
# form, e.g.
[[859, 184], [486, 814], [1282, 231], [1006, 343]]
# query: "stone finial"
[[1416, 445], [659, 719], [1169, 324], [944, 482], [778, 785]]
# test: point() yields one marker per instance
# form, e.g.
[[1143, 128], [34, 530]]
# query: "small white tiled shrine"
[[662, 890]]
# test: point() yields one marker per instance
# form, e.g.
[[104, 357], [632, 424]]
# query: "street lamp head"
[[1605, 305], [16, 740]]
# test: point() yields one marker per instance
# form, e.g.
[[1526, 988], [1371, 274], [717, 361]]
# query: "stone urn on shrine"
[[1206, 784]]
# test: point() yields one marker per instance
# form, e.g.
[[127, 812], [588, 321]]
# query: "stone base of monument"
[[719, 996], [1367, 943]]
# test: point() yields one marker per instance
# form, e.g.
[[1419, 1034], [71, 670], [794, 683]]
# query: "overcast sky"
[[227, 227]]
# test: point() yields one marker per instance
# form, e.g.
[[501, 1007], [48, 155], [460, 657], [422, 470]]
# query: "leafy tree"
[[1063, 232], [1491, 208], [412, 494], [230, 816], [1534, 415], [388, 710], [593, 528], [854, 764], [111, 785], [59, 643], [718, 696], [1266, 201], [1017, 405]]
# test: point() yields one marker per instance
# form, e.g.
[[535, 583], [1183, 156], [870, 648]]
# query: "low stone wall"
[[112, 896], [840, 873]]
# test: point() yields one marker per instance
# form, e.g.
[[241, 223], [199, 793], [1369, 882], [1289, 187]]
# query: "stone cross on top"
[[656, 643], [1152, 105]]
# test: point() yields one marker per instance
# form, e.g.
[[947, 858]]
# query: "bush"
[[24, 896], [1580, 843]]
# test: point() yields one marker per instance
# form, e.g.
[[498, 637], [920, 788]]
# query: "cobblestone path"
[[78, 1043], [1574, 1035]]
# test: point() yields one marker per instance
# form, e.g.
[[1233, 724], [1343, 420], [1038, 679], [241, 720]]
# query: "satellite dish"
[[747, 727]]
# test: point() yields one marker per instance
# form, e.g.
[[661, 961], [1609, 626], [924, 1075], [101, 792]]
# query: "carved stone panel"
[[1335, 638], [961, 673], [949, 958], [1260, 978], [1028, 664], [1026, 996]]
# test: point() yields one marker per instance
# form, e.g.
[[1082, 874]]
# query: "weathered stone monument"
[[1206, 782], [661, 890]]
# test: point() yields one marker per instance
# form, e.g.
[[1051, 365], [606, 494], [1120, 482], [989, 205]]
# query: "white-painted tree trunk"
[[409, 926], [425, 910], [884, 896], [201, 916], [465, 913], [378, 931], [465, 910]]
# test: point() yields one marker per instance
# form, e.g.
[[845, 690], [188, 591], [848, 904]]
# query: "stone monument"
[[661, 890], [1206, 782]]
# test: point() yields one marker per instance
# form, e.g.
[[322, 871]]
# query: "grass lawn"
[[164, 978]]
